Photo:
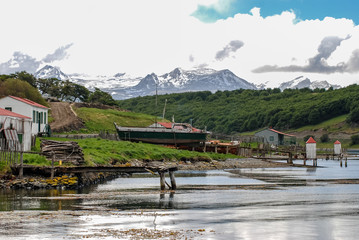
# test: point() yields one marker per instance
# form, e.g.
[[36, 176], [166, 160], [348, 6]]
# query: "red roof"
[[4, 112], [311, 140], [271, 129], [337, 142], [165, 124], [27, 101]]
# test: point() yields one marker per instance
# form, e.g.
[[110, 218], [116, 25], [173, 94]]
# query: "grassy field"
[[99, 151], [97, 120]]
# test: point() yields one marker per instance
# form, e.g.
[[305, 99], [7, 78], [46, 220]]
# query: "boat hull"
[[162, 137]]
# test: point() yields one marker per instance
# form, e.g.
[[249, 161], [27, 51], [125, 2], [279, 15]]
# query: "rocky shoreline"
[[72, 181]]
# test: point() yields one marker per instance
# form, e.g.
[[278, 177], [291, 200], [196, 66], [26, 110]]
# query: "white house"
[[15, 127], [36, 112]]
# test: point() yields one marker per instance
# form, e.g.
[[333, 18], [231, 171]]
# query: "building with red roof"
[[36, 112], [16, 130], [276, 137]]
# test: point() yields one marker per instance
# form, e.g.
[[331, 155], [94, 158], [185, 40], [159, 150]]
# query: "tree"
[[24, 76], [80, 92], [19, 88], [99, 96], [355, 139], [353, 116], [324, 138]]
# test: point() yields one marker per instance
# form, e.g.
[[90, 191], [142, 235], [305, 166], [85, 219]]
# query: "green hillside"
[[97, 120], [247, 110]]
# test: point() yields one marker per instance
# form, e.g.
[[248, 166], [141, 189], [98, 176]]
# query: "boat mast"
[[164, 110]]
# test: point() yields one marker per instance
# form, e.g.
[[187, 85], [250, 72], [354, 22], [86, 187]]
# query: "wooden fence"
[[10, 151]]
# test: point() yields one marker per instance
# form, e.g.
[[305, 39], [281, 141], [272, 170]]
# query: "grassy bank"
[[105, 152]]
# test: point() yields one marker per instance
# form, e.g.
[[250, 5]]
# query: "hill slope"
[[247, 110]]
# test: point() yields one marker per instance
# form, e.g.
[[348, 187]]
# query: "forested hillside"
[[247, 110]]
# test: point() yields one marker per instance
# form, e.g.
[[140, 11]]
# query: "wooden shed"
[[275, 137]]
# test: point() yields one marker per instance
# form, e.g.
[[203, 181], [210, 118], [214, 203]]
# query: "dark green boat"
[[169, 134]]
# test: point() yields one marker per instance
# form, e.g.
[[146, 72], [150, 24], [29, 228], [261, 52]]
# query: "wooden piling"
[[21, 170], [52, 166], [173, 180], [162, 180]]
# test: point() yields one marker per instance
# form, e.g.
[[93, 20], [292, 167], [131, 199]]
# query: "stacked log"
[[68, 151]]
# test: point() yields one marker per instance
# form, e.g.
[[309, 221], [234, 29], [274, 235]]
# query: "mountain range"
[[123, 86]]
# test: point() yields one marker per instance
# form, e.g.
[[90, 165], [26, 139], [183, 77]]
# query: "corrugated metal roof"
[[4, 112], [311, 140], [27, 101]]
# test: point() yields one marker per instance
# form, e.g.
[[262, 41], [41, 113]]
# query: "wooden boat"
[[177, 134]]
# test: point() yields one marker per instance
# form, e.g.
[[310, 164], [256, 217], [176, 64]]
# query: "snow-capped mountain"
[[109, 83], [303, 82], [180, 80], [51, 72], [105, 83], [123, 86]]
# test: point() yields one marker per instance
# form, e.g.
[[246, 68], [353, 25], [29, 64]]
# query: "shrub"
[[355, 140], [324, 138]]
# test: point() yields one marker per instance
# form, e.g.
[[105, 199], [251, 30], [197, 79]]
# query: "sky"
[[262, 41]]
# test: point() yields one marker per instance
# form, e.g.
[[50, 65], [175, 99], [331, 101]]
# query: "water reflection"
[[276, 203]]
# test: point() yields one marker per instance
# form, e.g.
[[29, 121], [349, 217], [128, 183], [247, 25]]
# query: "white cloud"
[[141, 36]]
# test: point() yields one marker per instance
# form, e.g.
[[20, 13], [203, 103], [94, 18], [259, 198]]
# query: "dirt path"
[[64, 118]]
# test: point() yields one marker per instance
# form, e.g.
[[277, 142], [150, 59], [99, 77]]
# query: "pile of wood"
[[64, 151]]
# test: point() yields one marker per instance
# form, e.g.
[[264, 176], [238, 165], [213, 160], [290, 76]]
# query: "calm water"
[[278, 203]]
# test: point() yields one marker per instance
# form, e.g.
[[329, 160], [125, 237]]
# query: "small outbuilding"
[[311, 148], [15, 131], [275, 137], [337, 148], [35, 111]]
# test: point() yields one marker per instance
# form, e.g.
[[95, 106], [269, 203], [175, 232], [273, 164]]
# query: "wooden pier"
[[159, 169]]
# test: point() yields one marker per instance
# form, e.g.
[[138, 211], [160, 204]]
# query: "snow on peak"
[[304, 82]]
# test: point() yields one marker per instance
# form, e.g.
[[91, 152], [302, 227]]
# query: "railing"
[[10, 151]]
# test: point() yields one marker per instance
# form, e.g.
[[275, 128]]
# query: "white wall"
[[26, 110], [311, 150], [337, 149]]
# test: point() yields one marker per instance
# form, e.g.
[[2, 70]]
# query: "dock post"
[[305, 162], [173, 180], [341, 163], [346, 162], [290, 158], [315, 163], [52, 166], [21, 170], [162, 180]]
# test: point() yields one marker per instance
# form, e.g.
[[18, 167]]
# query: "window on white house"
[[8, 108], [33, 116], [45, 118]]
